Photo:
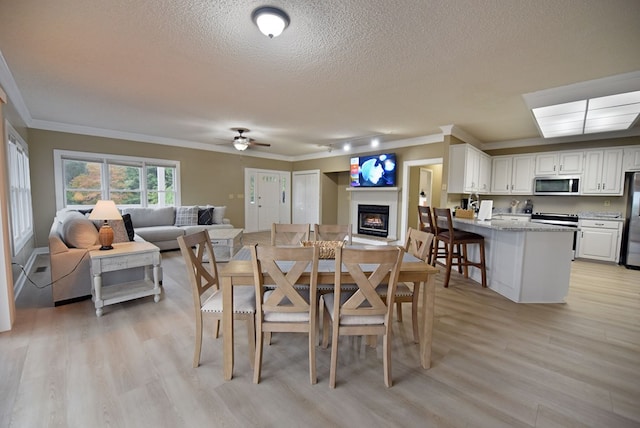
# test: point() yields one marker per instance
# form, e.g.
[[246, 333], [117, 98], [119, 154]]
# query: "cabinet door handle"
[[506, 187], [554, 167], [512, 187], [602, 186], [561, 167], [599, 224]]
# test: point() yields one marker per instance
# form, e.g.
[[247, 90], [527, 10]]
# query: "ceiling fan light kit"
[[270, 20]]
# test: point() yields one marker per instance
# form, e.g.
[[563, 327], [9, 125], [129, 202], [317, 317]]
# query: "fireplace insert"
[[373, 220]]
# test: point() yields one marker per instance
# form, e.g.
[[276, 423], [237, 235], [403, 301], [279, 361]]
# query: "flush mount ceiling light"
[[595, 106], [270, 20], [603, 114]]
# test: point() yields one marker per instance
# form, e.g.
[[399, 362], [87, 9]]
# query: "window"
[[19, 190], [84, 178]]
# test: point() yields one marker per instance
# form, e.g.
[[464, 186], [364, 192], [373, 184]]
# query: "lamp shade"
[[105, 210], [270, 20]]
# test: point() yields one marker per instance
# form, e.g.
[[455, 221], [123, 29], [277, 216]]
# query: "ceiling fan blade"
[[254, 143]]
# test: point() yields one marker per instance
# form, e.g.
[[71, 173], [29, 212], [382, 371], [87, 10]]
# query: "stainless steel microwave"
[[556, 186]]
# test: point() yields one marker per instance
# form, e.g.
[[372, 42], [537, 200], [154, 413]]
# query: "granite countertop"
[[514, 226], [590, 215]]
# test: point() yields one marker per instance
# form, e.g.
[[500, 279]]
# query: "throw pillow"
[[186, 216], [119, 231], [128, 225], [205, 216], [218, 213], [79, 232]]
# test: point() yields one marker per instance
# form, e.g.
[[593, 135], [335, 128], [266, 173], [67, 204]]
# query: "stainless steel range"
[[568, 220]]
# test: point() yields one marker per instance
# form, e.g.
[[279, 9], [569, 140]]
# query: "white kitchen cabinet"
[[559, 163], [603, 173], [631, 160], [599, 240], [512, 175], [468, 169]]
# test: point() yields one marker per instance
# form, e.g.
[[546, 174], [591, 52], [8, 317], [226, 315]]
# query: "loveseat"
[[72, 235]]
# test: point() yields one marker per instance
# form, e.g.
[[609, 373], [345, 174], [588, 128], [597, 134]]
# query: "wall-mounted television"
[[373, 170]]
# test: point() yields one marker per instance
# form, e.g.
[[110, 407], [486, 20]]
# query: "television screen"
[[373, 170]]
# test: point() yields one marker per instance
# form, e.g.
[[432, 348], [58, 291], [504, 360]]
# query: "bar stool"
[[427, 225], [455, 243]]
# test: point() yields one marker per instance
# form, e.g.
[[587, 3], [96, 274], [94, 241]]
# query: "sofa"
[[73, 235]]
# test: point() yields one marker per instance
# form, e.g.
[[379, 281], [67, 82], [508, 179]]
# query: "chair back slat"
[[384, 263], [289, 234], [333, 232], [285, 266], [418, 243], [200, 261]]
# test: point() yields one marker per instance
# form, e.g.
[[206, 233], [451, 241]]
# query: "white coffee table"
[[225, 242], [125, 255]]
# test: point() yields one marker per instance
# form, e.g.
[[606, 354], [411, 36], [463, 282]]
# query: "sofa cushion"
[[146, 217], [159, 233], [79, 232], [205, 216], [186, 216]]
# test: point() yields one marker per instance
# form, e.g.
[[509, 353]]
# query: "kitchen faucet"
[[473, 205]]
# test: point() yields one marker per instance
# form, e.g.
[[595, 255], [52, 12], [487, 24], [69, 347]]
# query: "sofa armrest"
[[226, 221], [56, 245]]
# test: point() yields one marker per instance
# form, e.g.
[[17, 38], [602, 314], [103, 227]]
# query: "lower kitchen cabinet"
[[599, 240]]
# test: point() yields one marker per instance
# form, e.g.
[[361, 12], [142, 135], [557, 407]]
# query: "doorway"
[[411, 189]]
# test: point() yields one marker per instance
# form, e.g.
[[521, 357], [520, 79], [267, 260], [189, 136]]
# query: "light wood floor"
[[495, 364]]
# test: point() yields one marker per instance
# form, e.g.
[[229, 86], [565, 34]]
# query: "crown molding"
[[461, 134]]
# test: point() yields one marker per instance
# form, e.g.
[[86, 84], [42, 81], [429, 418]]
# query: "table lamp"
[[105, 210]]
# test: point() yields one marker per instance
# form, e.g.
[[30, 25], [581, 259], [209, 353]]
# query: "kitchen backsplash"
[[556, 204]]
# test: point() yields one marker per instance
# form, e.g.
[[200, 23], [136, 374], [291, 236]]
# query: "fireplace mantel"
[[375, 196], [373, 189]]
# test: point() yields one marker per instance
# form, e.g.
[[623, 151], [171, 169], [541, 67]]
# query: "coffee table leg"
[[227, 327]]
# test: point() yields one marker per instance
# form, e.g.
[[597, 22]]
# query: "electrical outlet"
[[230, 195], [607, 203]]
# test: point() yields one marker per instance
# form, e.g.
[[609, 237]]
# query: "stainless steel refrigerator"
[[631, 243]]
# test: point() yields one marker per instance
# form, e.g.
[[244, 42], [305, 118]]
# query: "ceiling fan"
[[241, 143]]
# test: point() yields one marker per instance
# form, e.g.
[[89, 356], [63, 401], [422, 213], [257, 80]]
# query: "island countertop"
[[515, 226]]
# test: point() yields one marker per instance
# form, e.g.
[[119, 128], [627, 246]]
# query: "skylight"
[[603, 114]]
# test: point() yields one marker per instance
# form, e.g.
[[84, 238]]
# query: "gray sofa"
[[158, 225], [72, 235]]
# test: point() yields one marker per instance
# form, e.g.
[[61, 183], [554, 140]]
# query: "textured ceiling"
[[186, 71]]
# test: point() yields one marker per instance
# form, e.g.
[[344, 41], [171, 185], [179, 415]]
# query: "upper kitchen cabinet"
[[632, 158], [512, 175], [603, 172], [559, 163], [469, 169]]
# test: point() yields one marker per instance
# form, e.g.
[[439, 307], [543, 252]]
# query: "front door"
[[268, 187]]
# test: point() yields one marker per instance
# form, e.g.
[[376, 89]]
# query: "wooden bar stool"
[[455, 243], [427, 225]]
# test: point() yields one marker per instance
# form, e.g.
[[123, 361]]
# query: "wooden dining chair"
[[333, 232], [289, 234], [455, 243], [285, 307], [418, 244], [202, 272], [363, 312]]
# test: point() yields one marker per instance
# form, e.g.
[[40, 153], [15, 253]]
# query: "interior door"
[[268, 186], [306, 197]]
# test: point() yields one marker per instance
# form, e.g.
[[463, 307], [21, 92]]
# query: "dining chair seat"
[[351, 319], [271, 316], [244, 301]]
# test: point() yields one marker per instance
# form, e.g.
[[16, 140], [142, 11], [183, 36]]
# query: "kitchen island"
[[526, 262]]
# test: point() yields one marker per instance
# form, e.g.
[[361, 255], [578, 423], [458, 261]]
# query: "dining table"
[[239, 272]]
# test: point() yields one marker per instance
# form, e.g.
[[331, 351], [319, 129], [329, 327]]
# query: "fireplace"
[[373, 220]]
